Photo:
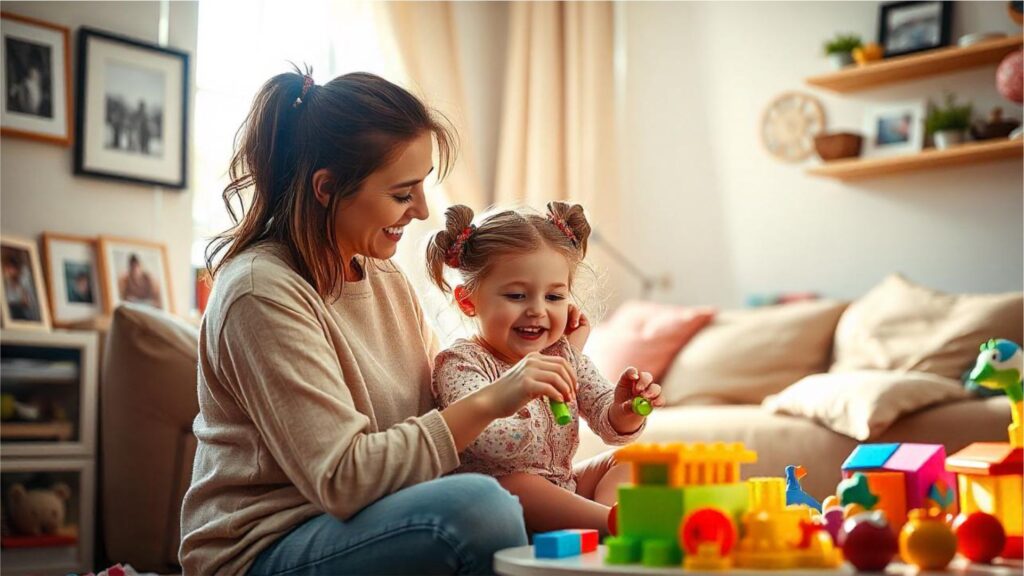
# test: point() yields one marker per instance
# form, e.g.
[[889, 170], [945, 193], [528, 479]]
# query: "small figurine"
[[1000, 365], [794, 492]]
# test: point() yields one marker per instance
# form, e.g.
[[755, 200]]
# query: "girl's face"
[[371, 222], [522, 304]]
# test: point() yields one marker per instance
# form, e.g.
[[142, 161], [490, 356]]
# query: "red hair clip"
[[454, 254], [307, 84], [564, 227]]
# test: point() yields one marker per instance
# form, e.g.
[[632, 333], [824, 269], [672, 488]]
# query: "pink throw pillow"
[[647, 335]]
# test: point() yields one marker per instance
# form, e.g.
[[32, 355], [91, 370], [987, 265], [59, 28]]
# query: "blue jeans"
[[452, 525]]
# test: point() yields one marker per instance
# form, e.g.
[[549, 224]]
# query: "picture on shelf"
[[35, 78], [23, 288], [72, 275], [894, 129], [908, 27], [135, 271], [132, 99]]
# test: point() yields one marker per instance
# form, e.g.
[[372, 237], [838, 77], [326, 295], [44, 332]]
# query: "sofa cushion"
[[745, 355], [900, 325], [647, 335], [863, 404], [148, 404]]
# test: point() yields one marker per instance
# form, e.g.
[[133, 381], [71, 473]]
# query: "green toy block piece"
[[661, 552], [653, 474], [561, 412], [650, 511], [855, 489], [642, 406], [621, 550], [733, 499]]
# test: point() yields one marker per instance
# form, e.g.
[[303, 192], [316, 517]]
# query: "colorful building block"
[[868, 456], [922, 465], [891, 489], [989, 477], [557, 544]]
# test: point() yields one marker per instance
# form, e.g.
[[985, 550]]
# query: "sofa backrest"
[[148, 402]]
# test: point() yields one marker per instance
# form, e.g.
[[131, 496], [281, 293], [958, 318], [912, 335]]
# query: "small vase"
[[840, 60], [949, 138]]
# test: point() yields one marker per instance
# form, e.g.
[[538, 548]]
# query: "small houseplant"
[[839, 49], [948, 124]]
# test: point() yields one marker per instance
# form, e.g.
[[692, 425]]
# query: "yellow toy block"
[[891, 489], [999, 496], [687, 464]]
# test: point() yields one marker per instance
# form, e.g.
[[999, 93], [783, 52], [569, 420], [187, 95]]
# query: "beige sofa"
[[148, 400]]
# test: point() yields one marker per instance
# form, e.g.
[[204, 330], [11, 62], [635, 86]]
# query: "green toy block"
[[621, 550], [653, 474], [561, 411], [734, 499], [661, 552], [650, 511]]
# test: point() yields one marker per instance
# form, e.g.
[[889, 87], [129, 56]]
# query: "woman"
[[319, 448]]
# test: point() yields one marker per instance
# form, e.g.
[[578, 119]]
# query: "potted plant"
[[840, 49], [948, 124]]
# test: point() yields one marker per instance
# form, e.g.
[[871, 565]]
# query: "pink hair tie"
[[454, 255], [564, 227], [307, 84]]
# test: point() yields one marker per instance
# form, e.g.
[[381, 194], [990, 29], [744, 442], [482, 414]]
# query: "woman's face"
[[371, 222]]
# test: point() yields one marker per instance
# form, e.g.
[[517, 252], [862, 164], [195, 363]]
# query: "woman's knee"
[[487, 514]]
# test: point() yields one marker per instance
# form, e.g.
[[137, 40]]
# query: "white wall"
[[39, 192], [726, 220]]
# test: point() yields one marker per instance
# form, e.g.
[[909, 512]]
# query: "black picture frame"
[[935, 26], [118, 137]]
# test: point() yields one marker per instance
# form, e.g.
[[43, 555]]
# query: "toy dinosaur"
[[1000, 365]]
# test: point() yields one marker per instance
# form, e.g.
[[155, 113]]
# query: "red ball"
[[868, 542], [980, 537], [613, 520]]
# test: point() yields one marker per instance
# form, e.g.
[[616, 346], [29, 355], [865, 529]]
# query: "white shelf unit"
[[67, 373]]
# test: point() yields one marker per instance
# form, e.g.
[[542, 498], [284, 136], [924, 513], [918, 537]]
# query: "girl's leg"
[[549, 507], [452, 525], [598, 478]]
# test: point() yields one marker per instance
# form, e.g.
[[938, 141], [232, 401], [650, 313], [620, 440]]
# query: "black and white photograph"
[[132, 106], [134, 109], [35, 80], [908, 27], [23, 304], [72, 275]]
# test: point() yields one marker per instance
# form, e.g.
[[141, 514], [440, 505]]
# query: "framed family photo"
[[72, 275], [894, 129], [908, 27], [36, 79], [132, 102], [23, 289], [135, 271]]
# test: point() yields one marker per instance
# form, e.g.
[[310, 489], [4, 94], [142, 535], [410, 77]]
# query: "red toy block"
[[588, 540]]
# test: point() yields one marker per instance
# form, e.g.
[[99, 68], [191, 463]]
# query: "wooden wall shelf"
[[970, 153], [940, 61]]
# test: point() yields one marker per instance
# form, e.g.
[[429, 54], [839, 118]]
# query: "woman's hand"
[[534, 376], [633, 383], [577, 329]]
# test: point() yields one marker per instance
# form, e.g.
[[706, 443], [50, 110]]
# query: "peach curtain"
[[557, 139], [425, 39]]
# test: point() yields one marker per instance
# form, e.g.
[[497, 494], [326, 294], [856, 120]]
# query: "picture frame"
[[894, 129], [909, 27], [71, 264], [23, 302], [132, 102], [133, 270], [35, 77]]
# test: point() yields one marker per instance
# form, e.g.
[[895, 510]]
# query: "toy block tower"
[[989, 477], [668, 481]]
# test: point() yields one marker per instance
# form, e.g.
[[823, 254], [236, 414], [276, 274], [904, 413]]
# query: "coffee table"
[[520, 562]]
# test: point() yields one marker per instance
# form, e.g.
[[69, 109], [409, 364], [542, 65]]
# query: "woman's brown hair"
[[473, 249], [353, 126]]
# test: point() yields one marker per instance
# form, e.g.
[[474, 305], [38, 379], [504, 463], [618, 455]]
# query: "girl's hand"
[[534, 376], [577, 329], [633, 383]]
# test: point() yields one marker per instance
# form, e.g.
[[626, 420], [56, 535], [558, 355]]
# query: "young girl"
[[517, 273]]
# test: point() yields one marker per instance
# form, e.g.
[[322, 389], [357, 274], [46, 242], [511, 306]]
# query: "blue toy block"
[[557, 544], [868, 456]]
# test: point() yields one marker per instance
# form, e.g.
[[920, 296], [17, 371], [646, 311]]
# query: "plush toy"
[[34, 512]]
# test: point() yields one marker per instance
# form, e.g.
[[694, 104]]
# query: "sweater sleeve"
[[597, 399], [505, 440], [288, 378]]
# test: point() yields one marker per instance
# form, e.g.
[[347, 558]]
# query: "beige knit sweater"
[[305, 406]]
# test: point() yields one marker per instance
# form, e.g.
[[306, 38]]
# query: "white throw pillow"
[[862, 404]]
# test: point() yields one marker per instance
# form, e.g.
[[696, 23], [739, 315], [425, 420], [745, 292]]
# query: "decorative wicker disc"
[[789, 124]]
